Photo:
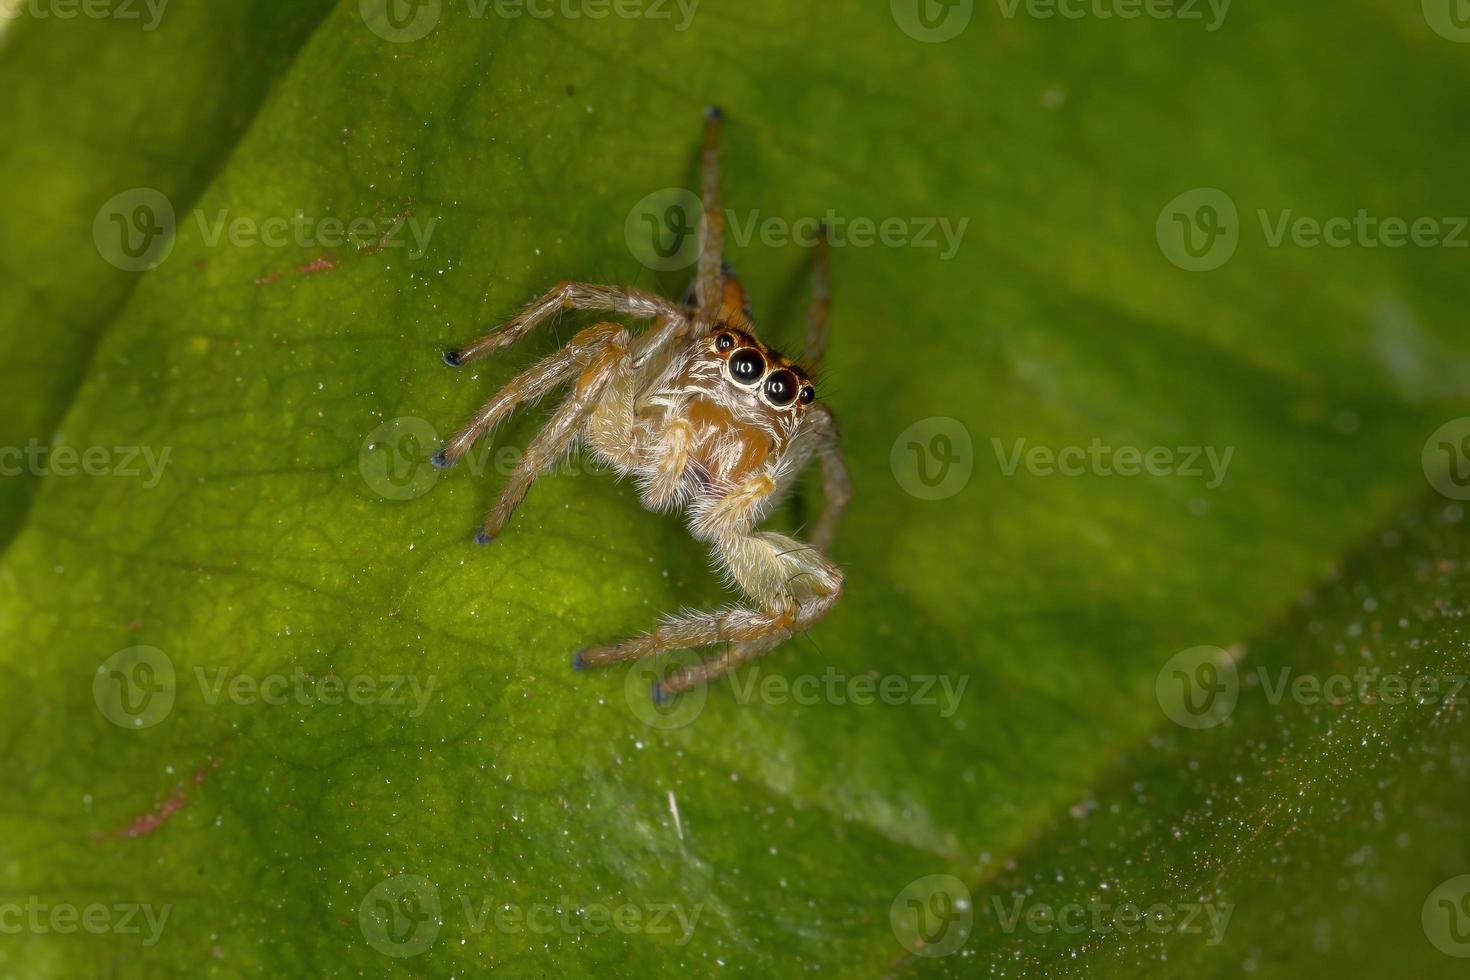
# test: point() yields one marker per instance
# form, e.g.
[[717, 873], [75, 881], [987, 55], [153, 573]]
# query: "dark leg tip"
[[451, 357], [577, 662], [661, 696], [484, 537], [440, 460], [714, 112]]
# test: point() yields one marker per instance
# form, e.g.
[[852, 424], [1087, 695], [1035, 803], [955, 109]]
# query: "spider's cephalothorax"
[[707, 419]]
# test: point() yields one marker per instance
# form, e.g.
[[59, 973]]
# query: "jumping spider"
[[708, 419]]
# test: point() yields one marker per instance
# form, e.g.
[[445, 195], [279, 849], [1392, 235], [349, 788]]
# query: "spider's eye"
[[781, 388], [808, 394], [724, 342], [747, 366]]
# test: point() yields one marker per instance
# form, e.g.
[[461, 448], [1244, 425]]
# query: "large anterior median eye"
[[781, 388], [747, 366]]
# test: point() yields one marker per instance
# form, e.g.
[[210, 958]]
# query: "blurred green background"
[[1150, 356]]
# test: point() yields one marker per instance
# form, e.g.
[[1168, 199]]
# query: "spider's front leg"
[[606, 376], [531, 384]]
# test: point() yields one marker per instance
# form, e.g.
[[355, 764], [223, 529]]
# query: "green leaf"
[[167, 91], [203, 659]]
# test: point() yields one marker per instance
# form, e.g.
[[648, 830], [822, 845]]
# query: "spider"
[[708, 420]]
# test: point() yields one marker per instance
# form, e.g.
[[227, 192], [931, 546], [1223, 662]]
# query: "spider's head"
[[766, 378]]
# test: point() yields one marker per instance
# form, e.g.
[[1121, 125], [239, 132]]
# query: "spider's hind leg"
[[819, 318], [794, 584], [638, 303], [709, 282]]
